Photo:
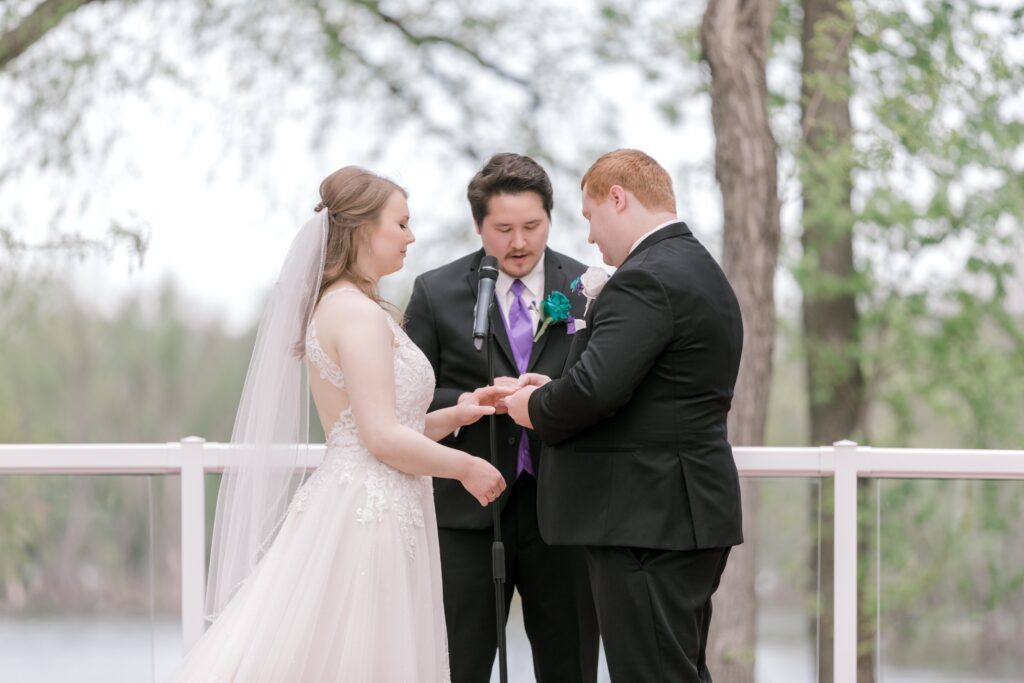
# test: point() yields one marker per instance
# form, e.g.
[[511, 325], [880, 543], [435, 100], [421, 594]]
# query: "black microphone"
[[484, 295]]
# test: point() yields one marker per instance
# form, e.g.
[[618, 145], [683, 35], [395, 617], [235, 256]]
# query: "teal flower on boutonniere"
[[554, 309]]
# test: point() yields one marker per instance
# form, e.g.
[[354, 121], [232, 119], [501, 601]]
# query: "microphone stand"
[[498, 547]]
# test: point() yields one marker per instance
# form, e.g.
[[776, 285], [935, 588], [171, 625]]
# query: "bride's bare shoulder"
[[342, 312]]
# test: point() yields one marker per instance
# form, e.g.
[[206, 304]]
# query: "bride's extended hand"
[[473, 405], [482, 481]]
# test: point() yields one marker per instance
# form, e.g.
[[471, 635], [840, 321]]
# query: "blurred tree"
[[736, 40], [149, 373], [26, 30], [909, 226], [831, 322], [473, 77], [23, 24], [938, 236]]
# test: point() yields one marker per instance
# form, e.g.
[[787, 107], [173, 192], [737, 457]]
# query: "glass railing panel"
[[89, 578], [948, 573]]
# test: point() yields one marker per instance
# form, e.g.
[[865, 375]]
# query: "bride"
[[340, 581]]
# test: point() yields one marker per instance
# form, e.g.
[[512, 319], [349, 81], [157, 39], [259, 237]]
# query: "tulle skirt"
[[349, 591]]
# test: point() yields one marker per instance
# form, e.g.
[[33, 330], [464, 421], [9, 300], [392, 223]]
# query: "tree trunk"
[[735, 35], [45, 17], [828, 278]]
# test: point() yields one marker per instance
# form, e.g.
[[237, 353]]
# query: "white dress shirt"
[[532, 295], [651, 232]]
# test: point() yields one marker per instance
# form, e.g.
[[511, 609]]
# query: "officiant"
[[510, 199]]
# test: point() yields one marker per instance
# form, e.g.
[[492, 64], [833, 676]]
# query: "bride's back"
[[326, 377], [324, 348]]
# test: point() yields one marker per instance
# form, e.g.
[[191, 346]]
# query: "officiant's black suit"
[[558, 608], [637, 465]]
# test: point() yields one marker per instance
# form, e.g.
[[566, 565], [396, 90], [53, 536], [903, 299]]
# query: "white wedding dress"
[[350, 590]]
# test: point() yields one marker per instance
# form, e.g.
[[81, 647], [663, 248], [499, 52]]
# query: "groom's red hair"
[[634, 171]]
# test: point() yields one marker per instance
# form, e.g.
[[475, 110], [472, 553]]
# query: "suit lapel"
[[497, 323], [554, 280], [677, 229]]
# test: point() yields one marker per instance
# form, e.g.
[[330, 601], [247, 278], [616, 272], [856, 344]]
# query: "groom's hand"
[[518, 405]]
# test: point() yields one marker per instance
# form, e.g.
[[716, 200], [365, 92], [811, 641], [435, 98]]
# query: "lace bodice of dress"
[[388, 490]]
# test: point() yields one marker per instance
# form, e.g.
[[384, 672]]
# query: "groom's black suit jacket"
[[636, 450], [439, 319]]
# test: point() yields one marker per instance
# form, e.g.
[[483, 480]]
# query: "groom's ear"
[[619, 198]]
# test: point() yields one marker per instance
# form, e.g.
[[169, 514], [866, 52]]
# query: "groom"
[[511, 200], [637, 466]]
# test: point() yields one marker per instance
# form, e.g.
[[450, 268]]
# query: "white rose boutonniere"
[[590, 284]]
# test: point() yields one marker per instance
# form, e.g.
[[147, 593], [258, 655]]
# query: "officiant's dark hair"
[[508, 173]]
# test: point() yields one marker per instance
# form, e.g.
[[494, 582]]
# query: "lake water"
[[134, 650]]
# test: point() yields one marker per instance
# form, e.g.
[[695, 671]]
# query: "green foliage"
[[940, 184], [148, 373], [960, 575], [929, 187], [145, 374], [937, 197]]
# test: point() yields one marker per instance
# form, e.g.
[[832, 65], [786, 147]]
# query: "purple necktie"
[[520, 332]]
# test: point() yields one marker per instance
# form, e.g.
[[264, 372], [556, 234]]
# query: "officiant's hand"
[[518, 405], [473, 405]]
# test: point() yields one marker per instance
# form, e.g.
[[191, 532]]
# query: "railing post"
[[193, 540], [844, 653]]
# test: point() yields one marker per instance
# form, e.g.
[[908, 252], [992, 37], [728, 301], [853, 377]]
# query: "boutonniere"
[[590, 284], [555, 309]]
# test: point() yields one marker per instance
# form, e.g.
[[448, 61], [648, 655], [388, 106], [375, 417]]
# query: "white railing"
[[845, 460]]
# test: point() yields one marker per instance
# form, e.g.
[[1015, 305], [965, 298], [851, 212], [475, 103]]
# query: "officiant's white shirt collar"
[[651, 232], [532, 295], [534, 281]]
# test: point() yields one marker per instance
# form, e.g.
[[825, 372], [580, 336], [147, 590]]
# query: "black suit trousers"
[[553, 584], [654, 609]]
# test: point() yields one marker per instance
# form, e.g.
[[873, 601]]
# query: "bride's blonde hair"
[[353, 199]]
